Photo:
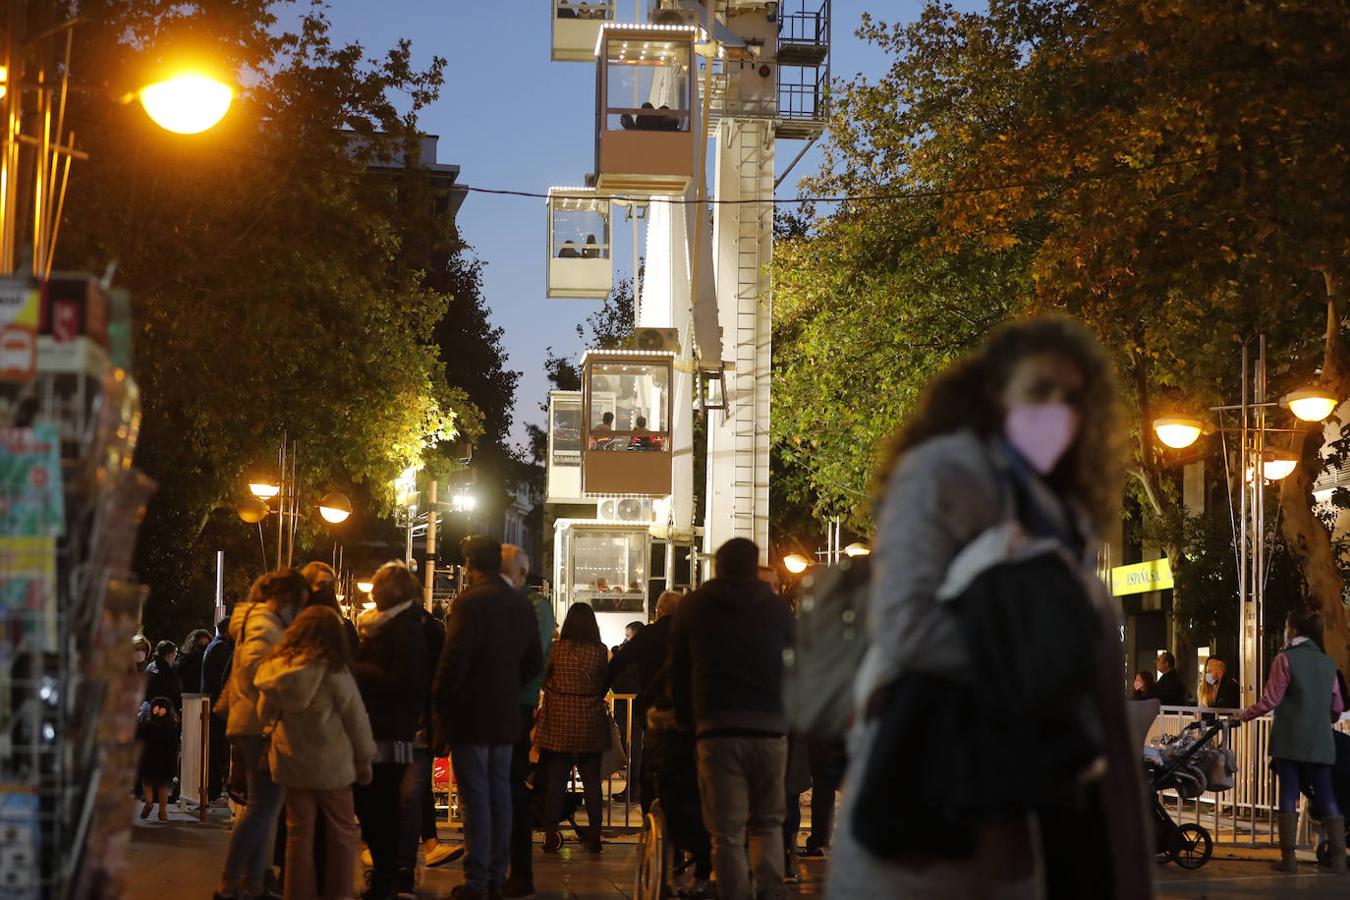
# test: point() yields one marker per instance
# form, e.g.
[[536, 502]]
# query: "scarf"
[[373, 620]]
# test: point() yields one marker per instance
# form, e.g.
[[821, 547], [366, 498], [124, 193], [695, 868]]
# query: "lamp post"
[[334, 508], [1257, 464], [34, 87]]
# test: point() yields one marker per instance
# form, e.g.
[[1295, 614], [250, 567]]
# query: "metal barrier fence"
[[1244, 814], [617, 814]]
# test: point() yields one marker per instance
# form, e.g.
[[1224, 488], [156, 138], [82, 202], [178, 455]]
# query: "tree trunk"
[[1307, 538]]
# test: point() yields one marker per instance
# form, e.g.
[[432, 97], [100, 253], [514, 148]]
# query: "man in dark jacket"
[[491, 650], [520, 881], [161, 678], [643, 656], [215, 672], [190, 657], [391, 670], [1169, 690], [726, 680]]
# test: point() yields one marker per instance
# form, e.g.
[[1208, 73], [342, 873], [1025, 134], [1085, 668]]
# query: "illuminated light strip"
[[695, 32], [615, 355]]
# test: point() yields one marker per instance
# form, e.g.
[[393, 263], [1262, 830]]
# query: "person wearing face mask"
[[1304, 693], [1012, 449], [256, 625], [1220, 690]]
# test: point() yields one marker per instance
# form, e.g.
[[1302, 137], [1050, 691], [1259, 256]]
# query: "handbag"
[[614, 758]]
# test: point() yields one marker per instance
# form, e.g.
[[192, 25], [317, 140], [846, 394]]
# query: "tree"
[[279, 285]]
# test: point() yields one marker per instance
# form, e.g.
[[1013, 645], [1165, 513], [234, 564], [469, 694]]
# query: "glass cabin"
[[576, 27], [579, 240], [646, 90], [564, 447], [626, 410], [604, 565]]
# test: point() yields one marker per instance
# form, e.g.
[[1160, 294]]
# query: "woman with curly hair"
[[321, 744], [1007, 739]]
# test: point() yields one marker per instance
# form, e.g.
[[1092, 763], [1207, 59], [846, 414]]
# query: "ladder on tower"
[[753, 142]]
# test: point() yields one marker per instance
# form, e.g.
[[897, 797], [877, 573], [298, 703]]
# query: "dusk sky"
[[511, 118]]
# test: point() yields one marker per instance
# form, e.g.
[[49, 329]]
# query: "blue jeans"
[[250, 851], [413, 796], [1296, 775], [483, 772]]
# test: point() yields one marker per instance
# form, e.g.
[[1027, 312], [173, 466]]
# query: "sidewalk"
[[182, 858]]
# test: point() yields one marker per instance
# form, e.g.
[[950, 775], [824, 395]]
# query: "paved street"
[[182, 859]]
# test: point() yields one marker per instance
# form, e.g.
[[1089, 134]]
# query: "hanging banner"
[[1155, 575]]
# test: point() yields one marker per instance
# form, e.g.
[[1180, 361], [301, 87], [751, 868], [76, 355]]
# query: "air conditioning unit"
[[659, 339], [629, 510]]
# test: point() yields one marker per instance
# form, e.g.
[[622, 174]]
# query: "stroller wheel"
[[1192, 846], [652, 881]]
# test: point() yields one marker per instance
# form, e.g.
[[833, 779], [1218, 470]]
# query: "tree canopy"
[[288, 270]]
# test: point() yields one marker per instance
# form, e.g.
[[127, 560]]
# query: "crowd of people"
[[987, 751]]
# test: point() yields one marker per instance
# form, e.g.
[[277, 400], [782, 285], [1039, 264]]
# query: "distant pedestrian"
[[491, 651], [189, 662], [391, 671], [256, 625], [1304, 693], [574, 723], [215, 673], [644, 656], [322, 581], [1168, 689], [140, 650], [1143, 688], [321, 744], [1219, 690], [520, 881], [158, 733], [726, 679], [161, 679], [994, 489]]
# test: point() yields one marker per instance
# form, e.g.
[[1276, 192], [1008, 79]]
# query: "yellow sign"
[[1155, 575]]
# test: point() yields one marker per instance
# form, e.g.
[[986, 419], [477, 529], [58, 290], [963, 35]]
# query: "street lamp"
[[796, 563], [188, 103], [365, 587], [1309, 404], [335, 508], [264, 488], [1178, 432], [252, 510], [857, 549]]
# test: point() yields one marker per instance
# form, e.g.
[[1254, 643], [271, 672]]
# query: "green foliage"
[[280, 285]]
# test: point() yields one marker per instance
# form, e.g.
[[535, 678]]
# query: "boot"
[[593, 840], [1336, 841], [1287, 824]]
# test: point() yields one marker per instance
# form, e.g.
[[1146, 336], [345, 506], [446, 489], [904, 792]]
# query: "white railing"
[[1244, 814]]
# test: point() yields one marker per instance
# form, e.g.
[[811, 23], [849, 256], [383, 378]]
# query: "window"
[[580, 229], [609, 571], [566, 431], [647, 84], [629, 406]]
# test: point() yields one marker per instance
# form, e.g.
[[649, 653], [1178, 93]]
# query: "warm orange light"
[[1178, 432], [796, 563], [1310, 404], [188, 103], [858, 549], [335, 508], [252, 510]]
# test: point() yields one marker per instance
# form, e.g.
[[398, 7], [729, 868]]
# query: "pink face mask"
[[1041, 432]]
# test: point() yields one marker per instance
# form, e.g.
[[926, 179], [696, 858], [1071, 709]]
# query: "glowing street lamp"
[[264, 488], [1177, 432], [857, 549], [252, 510], [187, 103], [335, 508], [1310, 404], [796, 563], [365, 587]]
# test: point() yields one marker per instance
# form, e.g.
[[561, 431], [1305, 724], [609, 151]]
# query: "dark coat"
[[646, 654], [161, 680], [1228, 696], [574, 717], [491, 650], [726, 658], [1170, 691], [391, 670], [158, 736], [433, 636], [189, 666], [216, 665]]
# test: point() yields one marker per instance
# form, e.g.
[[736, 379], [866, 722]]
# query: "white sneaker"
[[443, 853]]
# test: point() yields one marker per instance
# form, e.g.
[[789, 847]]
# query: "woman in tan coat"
[[321, 745], [574, 721]]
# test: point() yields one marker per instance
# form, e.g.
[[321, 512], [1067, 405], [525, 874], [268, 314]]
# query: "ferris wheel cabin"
[[626, 409], [576, 26], [646, 91], [579, 242]]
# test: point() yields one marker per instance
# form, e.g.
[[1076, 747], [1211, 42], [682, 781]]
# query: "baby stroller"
[[1189, 763], [673, 836]]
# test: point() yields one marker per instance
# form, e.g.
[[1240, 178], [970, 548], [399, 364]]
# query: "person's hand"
[[1246, 715], [364, 773]]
